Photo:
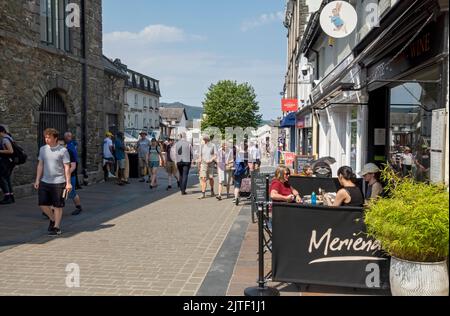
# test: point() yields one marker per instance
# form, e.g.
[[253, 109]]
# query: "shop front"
[[304, 128], [407, 101]]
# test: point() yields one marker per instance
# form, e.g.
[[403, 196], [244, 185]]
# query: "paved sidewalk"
[[129, 241]]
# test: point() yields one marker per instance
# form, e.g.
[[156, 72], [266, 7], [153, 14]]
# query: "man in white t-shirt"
[[208, 154], [108, 158]]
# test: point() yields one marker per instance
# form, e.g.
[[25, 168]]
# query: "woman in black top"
[[350, 194]]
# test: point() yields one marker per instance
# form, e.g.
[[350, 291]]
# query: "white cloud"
[[152, 34], [263, 19]]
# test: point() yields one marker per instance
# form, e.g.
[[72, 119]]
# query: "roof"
[[112, 69], [172, 114]]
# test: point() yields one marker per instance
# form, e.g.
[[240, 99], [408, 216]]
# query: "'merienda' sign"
[[326, 245]]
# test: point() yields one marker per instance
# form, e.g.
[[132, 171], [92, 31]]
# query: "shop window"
[[411, 127]]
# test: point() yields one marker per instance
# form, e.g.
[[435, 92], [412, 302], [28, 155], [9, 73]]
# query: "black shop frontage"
[[407, 76]]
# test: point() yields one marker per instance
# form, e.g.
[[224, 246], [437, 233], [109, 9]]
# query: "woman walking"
[[155, 161]]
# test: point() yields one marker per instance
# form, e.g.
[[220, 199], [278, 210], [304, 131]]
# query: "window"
[[145, 101], [411, 130], [136, 121], [136, 99], [54, 31]]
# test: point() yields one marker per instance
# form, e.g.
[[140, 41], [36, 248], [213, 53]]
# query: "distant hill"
[[192, 112]]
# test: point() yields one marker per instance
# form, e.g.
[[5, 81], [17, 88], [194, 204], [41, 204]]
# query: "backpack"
[[240, 169], [19, 157]]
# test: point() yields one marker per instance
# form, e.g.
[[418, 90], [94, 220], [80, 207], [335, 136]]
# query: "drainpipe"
[[317, 62], [315, 122], [84, 99]]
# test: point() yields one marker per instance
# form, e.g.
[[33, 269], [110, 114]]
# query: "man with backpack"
[[6, 166]]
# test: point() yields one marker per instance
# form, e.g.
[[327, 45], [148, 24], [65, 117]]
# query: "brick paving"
[[129, 241]]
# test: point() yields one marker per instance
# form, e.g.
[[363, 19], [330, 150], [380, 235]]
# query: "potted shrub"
[[412, 224]]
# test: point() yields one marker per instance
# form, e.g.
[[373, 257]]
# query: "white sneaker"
[[111, 175]]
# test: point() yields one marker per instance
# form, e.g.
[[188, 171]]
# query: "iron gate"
[[52, 114]]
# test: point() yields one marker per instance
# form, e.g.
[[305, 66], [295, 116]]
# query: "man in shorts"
[[73, 195], [119, 145], [108, 157], [208, 154], [53, 180], [143, 147], [171, 166]]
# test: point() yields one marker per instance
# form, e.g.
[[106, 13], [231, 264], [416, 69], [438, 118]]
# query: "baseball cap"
[[109, 134], [369, 168]]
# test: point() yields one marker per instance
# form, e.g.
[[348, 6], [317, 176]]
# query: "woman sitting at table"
[[349, 194], [280, 190]]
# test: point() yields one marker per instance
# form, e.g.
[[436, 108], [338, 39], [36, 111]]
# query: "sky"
[[189, 45]]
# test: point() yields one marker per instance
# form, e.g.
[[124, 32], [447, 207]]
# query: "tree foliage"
[[229, 104]]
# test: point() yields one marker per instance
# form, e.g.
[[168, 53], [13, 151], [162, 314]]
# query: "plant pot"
[[409, 278]]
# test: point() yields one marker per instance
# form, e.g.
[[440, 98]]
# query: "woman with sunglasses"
[[280, 190]]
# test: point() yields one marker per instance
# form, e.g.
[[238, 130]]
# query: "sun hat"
[[369, 168], [109, 134], [143, 133]]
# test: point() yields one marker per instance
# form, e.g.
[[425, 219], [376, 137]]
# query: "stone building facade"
[[48, 78]]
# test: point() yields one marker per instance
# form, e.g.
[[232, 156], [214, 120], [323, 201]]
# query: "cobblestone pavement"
[[129, 241]]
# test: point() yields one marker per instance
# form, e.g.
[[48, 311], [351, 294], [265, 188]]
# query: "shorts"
[[73, 192], [171, 168], [121, 163], [207, 170], [108, 161], [153, 164], [224, 175], [238, 181], [51, 195], [142, 163]]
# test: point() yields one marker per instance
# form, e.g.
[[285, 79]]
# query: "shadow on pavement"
[[22, 222]]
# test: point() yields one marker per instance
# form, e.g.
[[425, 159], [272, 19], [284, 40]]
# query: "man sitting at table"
[[280, 190]]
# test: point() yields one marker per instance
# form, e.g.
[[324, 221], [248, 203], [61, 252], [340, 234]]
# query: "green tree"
[[229, 104]]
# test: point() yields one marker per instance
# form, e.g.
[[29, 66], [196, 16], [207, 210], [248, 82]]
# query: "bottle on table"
[[313, 198]]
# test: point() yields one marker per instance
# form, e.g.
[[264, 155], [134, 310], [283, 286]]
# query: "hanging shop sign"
[[289, 105], [338, 19]]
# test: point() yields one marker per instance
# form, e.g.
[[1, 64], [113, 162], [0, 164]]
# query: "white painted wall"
[[143, 111]]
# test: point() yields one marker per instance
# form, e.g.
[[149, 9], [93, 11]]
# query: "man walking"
[[108, 158], [208, 154], [119, 146], [53, 179], [143, 147], [171, 167], [183, 152], [71, 148], [224, 169]]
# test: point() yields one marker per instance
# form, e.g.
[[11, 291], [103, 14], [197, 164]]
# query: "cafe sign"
[[289, 105]]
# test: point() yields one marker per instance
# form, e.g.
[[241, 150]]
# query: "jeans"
[[183, 169], [5, 176]]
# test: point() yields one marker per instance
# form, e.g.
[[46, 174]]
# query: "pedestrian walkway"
[[128, 241]]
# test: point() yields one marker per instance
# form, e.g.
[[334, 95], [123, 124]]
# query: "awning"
[[288, 120]]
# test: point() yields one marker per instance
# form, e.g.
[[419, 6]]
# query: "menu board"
[[437, 146], [300, 161], [259, 186]]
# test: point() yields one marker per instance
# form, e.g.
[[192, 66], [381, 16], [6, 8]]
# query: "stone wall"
[[30, 69]]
